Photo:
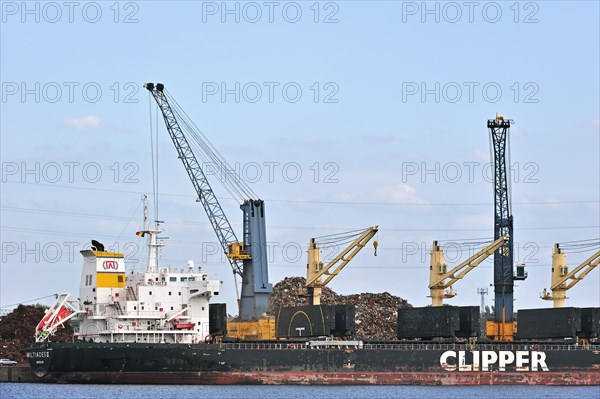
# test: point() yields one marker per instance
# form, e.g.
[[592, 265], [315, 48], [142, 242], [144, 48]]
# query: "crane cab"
[[237, 251]]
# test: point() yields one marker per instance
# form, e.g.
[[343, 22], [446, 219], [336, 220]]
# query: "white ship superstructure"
[[160, 305]]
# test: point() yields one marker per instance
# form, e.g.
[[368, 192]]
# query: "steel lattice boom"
[[206, 196], [247, 258]]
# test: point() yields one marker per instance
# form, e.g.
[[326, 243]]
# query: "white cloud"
[[84, 123], [401, 192], [393, 193], [348, 197]]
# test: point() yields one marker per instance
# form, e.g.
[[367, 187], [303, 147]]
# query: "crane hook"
[[375, 245]]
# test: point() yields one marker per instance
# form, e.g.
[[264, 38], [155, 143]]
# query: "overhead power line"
[[317, 202], [310, 228]]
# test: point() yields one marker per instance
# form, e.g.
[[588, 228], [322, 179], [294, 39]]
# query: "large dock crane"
[[248, 258], [441, 280], [502, 327], [315, 267], [563, 279]]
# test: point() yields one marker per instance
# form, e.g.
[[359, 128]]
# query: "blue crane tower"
[[503, 226]]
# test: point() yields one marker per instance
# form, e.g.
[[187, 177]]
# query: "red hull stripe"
[[334, 378]]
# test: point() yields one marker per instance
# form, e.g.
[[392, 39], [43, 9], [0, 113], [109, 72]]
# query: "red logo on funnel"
[[110, 265]]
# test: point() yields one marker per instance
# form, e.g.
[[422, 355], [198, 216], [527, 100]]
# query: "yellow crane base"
[[263, 329], [501, 331]]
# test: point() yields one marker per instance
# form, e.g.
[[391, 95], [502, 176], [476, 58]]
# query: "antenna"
[[483, 292]]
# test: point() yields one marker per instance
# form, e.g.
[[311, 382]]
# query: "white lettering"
[[538, 359], [506, 357], [488, 358], [522, 361], [475, 360], [462, 364], [444, 360], [38, 354]]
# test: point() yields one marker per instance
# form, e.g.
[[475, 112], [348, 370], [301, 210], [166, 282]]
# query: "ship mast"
[[153, 245]]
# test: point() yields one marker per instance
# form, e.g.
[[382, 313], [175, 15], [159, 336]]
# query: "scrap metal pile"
[[17, 330], [376, 314]]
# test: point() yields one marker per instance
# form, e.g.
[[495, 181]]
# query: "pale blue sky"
[[373, 133]]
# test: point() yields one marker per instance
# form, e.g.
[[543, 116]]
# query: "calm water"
[[39, 391]]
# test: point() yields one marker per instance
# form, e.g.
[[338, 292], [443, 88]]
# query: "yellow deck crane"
[[562, 279], [441, 280], [316, 269]]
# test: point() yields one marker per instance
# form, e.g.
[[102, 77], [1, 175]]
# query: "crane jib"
[[206, 196], [247, 258]]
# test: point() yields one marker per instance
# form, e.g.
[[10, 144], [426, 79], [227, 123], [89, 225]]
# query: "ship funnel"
[[97, 246]]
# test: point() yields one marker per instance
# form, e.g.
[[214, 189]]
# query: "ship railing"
[[414, 347], [253, 345], [469, 347], [411, 346]]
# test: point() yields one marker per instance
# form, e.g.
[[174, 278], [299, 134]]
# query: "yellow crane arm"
[[341, 260], [447, 279], [584, 268]]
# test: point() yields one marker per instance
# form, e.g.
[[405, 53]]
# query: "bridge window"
[[184, 279], [172, 278]]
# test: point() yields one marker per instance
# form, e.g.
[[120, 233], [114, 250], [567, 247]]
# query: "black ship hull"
[[290, 363]]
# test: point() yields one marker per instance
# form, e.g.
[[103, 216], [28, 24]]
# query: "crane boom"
[[247, 258], [440, 278], [206, 196], [316, 269], [561, 275]]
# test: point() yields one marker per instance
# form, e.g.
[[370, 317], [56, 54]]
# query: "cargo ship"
[[162, 326], [316, 362], [159, 327]]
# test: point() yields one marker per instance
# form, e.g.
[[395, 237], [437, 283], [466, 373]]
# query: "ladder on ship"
[[131, 294], [118, 308]]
